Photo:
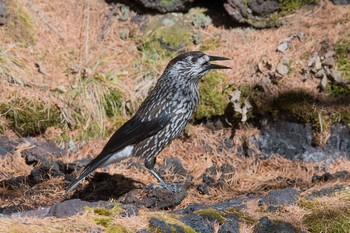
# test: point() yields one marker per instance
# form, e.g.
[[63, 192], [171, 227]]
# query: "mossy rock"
[[20, 26], [212, 213], [267, 17], [31, 118], [165, 36], [246, 218], [214, 93]]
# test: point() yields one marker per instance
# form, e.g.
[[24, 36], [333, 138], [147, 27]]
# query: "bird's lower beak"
[[215, 66]]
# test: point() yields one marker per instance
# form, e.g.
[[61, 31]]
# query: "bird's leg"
[[149, 164], [174, 187]]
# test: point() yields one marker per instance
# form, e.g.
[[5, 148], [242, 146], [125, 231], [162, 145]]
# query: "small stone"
[[283, 47], [329, 54], [124, 13], [300, 35], [203, 189], [324, 82], [330, 62], [3, 13], [318, 64], [320, 74], [282, 69], [41, 67], [124, 33], [336, 76]]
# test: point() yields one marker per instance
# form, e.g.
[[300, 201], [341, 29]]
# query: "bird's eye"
[[194, 59]]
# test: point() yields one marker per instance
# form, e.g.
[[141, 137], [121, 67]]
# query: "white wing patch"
[[120, 155]]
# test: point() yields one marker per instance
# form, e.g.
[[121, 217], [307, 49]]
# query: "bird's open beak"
[[215, 66]]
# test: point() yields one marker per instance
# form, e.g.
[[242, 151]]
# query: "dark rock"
[[285, 138], [189, 209], [3, 13], [229, 226], [156, 196], [45, 171], [287, 196], [143, 231], [257, 15], [14, 183], [197, 223], [265, 225], [165, 6], [294, 141], [130, 210], [74, 206], [42, 150], [341, 2], [210, 175], [329, 191], [159, 225], [262, 8], [7, 146], [339, 140], [228, 143], [327, 176], [203, 189], [272, 208], [233, 203], [8, 210]]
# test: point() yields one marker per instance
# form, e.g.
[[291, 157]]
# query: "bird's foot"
[[174, 187]]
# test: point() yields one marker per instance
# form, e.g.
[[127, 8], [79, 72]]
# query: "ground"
[[71, 65]]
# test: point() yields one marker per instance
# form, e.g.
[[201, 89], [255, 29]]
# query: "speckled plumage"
[[161, 117]]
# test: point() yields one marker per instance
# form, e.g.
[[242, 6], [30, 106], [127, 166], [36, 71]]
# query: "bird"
[[161, 117]]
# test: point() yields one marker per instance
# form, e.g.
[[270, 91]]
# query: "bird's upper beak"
[[215, 66]]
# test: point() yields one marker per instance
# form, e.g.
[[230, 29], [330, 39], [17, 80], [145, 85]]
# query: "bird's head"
[[193, 65]]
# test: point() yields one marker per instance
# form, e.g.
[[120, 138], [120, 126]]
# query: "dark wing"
[[131, 132]]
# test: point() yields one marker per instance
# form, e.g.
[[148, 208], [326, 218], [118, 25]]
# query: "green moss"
[[219, 216], [243, 216], [30, 118], [170, 220], [211, 43], [326, 217], [106, 212], [20, 26], [104, 217], [214, 92], [103, 221], [117, 228], [160, 41], [343, 57], [292, 5]]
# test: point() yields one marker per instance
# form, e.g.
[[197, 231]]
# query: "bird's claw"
[[174, 187]]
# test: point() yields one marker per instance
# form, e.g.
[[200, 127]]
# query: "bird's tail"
[[94, 164]]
